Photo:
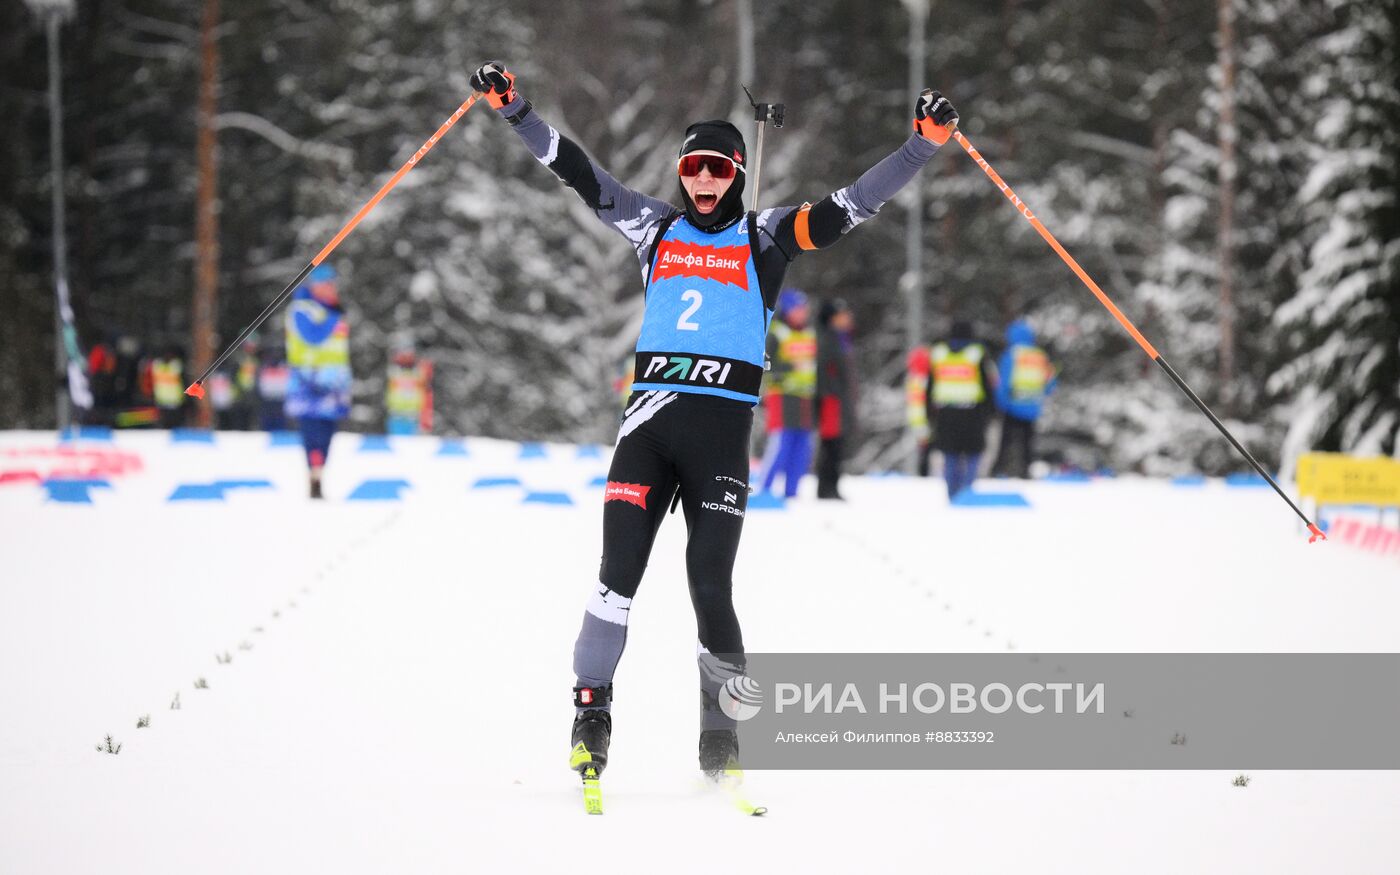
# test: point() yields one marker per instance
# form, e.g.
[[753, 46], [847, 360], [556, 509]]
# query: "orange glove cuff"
[[931, 130], [499, 100]]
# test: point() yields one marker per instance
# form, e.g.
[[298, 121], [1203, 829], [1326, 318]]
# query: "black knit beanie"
[[717, 135]]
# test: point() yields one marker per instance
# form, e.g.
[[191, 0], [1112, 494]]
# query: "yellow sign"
[[1334, 478]]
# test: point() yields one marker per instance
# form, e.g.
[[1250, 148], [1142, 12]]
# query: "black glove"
[[496, 82], [933, 115]]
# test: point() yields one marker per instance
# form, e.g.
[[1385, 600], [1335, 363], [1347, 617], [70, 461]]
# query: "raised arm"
[[631, 213], [797, 229]]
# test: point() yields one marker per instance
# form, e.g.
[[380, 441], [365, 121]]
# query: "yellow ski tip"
[[592, 791]]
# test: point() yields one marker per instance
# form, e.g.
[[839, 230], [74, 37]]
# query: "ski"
[[731, 783], [581, 761], [592, 791]]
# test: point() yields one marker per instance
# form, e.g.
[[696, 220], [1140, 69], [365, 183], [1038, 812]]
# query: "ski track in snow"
[[409, 712]]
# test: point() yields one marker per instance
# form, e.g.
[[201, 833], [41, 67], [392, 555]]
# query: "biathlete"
[[712, 274]]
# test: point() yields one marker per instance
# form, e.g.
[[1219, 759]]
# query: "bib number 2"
[[695, 299]]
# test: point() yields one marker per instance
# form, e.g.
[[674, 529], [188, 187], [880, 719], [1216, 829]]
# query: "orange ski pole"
[[1125, 322], [196, 389]]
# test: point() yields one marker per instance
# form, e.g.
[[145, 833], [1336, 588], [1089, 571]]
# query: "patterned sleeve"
[[797, 229], [631, 213]]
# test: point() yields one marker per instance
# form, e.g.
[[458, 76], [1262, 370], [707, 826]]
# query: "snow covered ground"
[[372, 686]]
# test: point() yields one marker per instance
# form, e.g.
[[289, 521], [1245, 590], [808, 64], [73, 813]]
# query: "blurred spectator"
[[273, 377], [102, 377], [245, 387], [836, 393], [916, 406], [131, 389], [232, 395], [792, 384], [1028, 378], [408, 397], [167, 386], [960, 374], [318, 353], [131, 385], [222, 395]]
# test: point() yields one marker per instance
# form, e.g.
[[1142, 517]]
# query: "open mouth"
[[706, 201]]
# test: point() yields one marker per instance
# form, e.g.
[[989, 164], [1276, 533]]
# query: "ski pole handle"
[[952, 126]]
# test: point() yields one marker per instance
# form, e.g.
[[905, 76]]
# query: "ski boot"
[[719, 760], [592, 732], [590, 738], [719, 753]]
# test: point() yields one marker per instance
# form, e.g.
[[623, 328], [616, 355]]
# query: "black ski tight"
[[669, 442]]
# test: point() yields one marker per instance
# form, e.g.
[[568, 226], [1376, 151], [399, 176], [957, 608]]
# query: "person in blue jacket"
[[1027, 380], [318, 358]]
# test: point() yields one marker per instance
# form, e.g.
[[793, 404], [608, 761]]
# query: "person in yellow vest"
[[792, 386], [1028, 379], [168, 387], [318, 358], [408, 396], [961, 376]]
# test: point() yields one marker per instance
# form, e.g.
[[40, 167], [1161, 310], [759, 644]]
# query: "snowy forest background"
[[1270, 281]]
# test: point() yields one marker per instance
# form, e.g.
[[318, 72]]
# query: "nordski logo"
[[725, 264], [632, 493], [694, 370], [723, 508]]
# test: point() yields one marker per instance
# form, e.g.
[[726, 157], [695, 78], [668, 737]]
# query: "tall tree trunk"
[[1228, 138], [206, 279]]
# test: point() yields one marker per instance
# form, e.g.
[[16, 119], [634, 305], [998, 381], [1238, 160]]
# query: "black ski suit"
[[682, 440]]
